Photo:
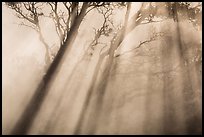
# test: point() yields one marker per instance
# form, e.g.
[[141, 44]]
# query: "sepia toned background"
[[149, 83]]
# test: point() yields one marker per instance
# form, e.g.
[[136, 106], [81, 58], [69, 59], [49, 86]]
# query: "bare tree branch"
[[151, 39], [30, 26]]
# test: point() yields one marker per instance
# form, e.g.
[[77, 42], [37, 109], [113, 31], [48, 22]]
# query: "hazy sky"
[[22, 41], [21, 47]]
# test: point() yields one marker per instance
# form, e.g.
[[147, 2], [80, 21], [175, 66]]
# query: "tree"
[[77, 12], [67, 23], [63, 14], [30, 13], [147, 14]]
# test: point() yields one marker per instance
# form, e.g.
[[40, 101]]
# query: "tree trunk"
[[47, 53], [101, 86], [47, 50], [89, 94], [192, 105], [25, 121]]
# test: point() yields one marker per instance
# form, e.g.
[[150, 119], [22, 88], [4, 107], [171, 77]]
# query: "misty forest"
[[101, 68]]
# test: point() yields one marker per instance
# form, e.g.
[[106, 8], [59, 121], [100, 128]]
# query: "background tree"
[[67, 34], [63, 14], [148, 13], [67, 23], [30, 13]]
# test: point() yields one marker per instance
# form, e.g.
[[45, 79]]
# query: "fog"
[[150, 88]]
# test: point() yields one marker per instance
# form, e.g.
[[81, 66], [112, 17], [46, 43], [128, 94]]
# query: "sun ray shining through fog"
[[101, 68]]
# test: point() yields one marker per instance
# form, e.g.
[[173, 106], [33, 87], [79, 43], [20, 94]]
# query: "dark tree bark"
[[25, 122]]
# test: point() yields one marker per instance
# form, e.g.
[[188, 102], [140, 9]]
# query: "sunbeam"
[[102, 68]]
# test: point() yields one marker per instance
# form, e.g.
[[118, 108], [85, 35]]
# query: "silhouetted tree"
[[67, 23], [63, 14], [76, 13]]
